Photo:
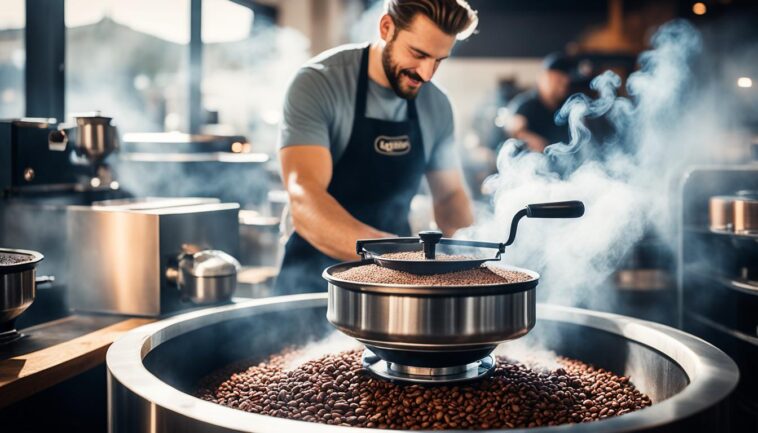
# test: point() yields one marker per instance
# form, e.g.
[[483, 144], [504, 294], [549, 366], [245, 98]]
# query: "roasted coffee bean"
[[336, 390], [487, 274]]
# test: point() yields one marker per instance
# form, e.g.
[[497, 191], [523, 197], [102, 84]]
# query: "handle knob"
[[429, 239]]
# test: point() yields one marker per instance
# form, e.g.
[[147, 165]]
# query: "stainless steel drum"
[[153, 370]]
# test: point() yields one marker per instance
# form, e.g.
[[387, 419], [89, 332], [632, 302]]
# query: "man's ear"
[[386, 28]]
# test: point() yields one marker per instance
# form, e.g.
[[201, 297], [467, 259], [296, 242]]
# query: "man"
[[533, 112], [362, 125]]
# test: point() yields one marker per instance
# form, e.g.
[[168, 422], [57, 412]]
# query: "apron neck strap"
[[362, 94]]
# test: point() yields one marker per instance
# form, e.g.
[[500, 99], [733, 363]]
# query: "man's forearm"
[[325, 224], [453, 212]]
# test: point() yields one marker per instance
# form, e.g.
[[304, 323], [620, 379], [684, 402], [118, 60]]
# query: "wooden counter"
[[55, 351]]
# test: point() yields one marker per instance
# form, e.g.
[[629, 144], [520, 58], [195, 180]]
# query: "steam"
[[627, 178], [335, 342], [528, 354]]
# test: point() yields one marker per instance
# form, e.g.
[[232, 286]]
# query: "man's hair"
[[454, 17]]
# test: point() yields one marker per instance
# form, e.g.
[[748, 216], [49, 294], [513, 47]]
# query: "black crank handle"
[[559, 209], [361, 242]]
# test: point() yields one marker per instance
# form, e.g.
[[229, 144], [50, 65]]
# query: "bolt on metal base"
[[427, 375]]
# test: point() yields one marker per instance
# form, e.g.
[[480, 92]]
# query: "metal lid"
[[211, 263]]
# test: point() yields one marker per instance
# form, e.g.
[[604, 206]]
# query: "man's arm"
[[316, 215], [452, 207]]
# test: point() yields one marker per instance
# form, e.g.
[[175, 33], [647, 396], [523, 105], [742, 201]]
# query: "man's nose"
[[426, 70]]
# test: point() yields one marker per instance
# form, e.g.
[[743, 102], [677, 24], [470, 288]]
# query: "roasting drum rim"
[[712, 374]]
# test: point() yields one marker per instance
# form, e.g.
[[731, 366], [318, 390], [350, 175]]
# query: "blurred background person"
[[533, 112]]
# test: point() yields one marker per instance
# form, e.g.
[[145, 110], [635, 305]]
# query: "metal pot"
[[746, 212], [737, 213], [425, 327], [721, 213], [17, 284], [206, 276], [153, 370]]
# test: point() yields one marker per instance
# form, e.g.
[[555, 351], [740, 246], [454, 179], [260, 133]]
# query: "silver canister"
[[206, 276]]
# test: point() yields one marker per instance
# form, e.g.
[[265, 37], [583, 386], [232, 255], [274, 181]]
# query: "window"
[[128, 60], [12, 58], [248, 61]]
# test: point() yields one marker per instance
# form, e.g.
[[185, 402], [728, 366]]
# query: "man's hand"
[[316, 215], [452, 207], [517, 126]]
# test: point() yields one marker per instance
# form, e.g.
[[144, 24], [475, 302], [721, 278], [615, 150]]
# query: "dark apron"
[[374, 180]]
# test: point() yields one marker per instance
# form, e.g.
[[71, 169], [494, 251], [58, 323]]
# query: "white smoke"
[[626, 179], [527, 353], [335, 342]]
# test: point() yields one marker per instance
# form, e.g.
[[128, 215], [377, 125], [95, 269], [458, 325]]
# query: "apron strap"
[[362, 93]]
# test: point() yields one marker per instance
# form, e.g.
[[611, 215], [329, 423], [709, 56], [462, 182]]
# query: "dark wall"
[[517, 28]]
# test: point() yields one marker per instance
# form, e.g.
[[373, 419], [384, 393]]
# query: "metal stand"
[[405, 373]]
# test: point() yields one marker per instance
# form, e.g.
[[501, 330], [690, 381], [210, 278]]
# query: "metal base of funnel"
[[427, 375]]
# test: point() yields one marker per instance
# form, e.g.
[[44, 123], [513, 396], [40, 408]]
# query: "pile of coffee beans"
[[483, 275], [13, 259], [336, 390], [419, 255]]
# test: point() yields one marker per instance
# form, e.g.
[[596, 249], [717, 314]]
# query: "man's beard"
[[393, 73]]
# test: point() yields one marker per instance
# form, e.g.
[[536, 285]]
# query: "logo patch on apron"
[[392, 146]]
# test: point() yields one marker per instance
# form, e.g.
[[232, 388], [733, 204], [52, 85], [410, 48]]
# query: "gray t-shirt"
[[319, 108]]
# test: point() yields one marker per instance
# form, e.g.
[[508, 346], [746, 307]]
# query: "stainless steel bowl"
[[430, 326], [17, 284], [153, 370]]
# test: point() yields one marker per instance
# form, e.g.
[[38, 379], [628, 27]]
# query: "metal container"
[[206, 276], [153, 370], [737, 213], [721, 212], [746, 213], [96, 138], [430, 326], [121, 254], [17, 284]]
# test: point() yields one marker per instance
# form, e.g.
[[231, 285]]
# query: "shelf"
[[726, 234], [740, 285]]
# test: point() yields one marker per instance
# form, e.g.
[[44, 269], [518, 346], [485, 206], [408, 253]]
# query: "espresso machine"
[[43, 158]]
